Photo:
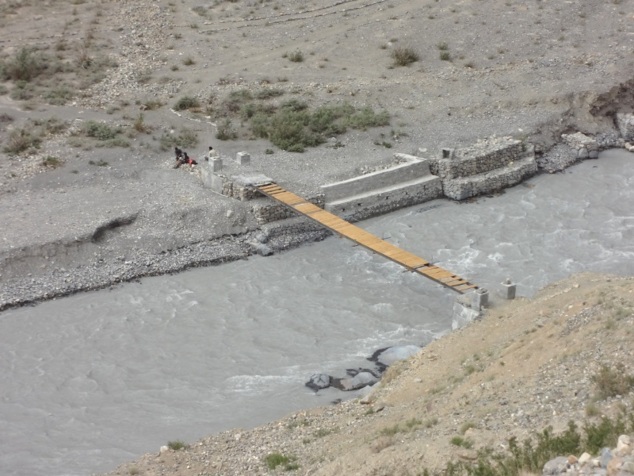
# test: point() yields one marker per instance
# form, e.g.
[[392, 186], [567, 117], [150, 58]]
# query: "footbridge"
[[369, 241]]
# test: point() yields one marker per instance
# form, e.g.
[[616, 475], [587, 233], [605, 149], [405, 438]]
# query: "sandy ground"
[[531, 70]]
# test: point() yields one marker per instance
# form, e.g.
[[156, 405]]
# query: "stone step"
[[491, 181], [386, 198]]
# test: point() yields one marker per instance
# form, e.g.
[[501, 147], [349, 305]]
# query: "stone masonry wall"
[[488, 166], [267, 211], [484, 156], [482, 184]]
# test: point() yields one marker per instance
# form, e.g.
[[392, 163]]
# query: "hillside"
[[527, 365]]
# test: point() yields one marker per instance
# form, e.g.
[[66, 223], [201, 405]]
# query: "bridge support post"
[[215, 164], [508, 289], [243, 158], [480, 298]]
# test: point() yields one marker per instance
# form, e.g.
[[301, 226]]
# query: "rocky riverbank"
[[563, 356]]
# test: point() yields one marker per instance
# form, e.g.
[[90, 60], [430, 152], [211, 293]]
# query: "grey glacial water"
[[96, 379]]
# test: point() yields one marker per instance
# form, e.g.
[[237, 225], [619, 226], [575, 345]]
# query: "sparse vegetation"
[[462, 442], [530, 456], [612, 382], [100, 131], [291, 125], [404, 56], [56, 78], [226, 130], [52, 162], [186, 138], [21, 140], [26, 65], [296, 56], [186, 102], [443, 46], [140, 125], [176, 445], [273, 460]]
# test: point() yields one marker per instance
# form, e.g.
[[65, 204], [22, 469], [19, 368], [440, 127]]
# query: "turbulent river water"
[[96, 379]]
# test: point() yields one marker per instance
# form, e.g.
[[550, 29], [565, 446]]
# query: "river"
[[96, 379]]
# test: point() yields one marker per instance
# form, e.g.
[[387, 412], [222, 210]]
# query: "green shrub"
[[612, 382], [273, 460], [291, 125], [445, 56], [186, 138], [330, 120], [24, 66], [531, 456], [59, 95], [21, 140], [289, 131], [140, 125], [404, 56], [268, 93], [52, 162], [225, 131], [294, 128], [604, 433], [100, 130], [116, 142], [186, 102], [176, 445], [234, 103], [460, 441], [23, 91], [366, 118], [390, 430], [296, 56]]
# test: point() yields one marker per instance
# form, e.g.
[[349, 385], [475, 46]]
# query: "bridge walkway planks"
[[366, 239]]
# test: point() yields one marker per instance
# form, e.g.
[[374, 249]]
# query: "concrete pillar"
[[215, 164], [243, 158], [480, 298], [508, 289]]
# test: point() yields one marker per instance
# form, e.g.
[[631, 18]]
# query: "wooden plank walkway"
[[367, 240]]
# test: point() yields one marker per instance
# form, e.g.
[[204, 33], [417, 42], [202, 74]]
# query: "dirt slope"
[[526, 365]]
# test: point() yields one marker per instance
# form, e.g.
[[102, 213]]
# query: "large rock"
[[360, 378], [389, 355]]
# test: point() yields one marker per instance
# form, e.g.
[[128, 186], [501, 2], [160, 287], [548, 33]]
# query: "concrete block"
[[376, 180], [508, 289], [217, 183], [215, 164], [480, 298], [243, 158]]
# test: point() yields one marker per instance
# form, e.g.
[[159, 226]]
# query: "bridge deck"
[[366, 239]]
